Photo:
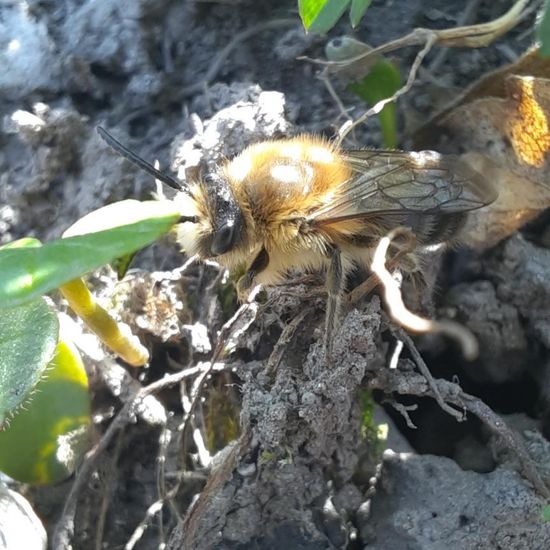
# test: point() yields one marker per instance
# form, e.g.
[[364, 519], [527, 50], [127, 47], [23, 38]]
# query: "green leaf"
[[357, 10], [382, 81], [321, 15], [546, 513], [26, 273], [309, 10], [543, 31], [28, 336], [45, 441], [125, 212], [122, 264], [27, 242]]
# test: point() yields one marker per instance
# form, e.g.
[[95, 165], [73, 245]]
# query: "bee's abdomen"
[[435, 228]]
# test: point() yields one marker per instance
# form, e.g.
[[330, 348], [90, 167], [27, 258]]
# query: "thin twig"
[[367, 286], [250, 308], [498, 426], [108, 483], [403, 410], [325, 79], [471, 36], [157, 506], [65, 526], [425, 371], [152, 511], [394, 360], [164, 441], [346, 128]]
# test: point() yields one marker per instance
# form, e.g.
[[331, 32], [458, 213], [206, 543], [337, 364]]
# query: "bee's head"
[[212, 221], [225, 215], [220, 225]]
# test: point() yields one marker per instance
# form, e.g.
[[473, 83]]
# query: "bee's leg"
[[261, 261], [335, 284]]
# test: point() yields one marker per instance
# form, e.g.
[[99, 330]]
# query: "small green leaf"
[[546, 513], [26, 273], [357, 10], [27, 242], [28, 336], [321, 15], [543, 31], [44, 442], [382, 81]]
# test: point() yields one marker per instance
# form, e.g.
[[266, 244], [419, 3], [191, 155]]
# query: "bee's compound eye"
[[224, 239]]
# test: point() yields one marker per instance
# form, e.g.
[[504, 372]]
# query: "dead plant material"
[[155, 303], [425, 371], [403, 410], [406, 318], [492, 85], [502, 123], [284, 341]]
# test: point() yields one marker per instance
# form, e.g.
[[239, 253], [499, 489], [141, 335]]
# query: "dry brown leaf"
[[493, 84], [506, 137]]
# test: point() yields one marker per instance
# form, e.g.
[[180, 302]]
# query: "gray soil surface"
[[307, 470]]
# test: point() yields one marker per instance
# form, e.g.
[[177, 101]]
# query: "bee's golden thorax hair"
[[284, 179]]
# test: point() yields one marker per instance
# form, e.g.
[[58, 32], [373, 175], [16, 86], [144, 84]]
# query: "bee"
[[301, 203]]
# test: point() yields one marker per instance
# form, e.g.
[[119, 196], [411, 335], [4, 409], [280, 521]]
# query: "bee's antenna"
[[138, 161]]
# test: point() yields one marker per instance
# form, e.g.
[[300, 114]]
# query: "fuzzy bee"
[[301, 203]]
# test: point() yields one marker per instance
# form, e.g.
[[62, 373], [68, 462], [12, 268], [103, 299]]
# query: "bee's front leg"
[[261, 261], [335, 286]]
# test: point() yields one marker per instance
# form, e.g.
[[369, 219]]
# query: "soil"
[[282, 451]]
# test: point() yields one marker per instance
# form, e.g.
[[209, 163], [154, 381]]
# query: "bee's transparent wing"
[[385, 182]]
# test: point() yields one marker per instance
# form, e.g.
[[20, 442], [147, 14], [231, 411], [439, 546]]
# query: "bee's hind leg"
[[335, 288]]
